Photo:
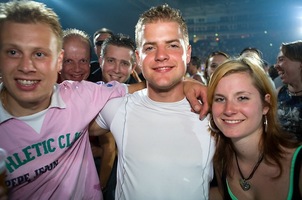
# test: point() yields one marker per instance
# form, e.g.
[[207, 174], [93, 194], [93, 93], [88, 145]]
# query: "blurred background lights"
[[225, 25]]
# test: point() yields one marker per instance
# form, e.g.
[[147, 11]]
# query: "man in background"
[[76, 61], [98, 38]]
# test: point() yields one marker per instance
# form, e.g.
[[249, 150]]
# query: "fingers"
[[205, 106], [197, 96]]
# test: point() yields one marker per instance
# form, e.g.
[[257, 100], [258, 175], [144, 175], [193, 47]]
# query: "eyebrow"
[[167, 42], [114, 58], [237, 93]]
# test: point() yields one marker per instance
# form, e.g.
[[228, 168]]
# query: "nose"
[[116, 67], [230, 108], [26, 65], [77, 67], [277, 66], [161, 54]]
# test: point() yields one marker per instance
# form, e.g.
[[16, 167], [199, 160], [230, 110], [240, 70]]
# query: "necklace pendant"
[[244, 184]]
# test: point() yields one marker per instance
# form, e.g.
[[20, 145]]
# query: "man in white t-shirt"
[[44, 125], [164, 150]]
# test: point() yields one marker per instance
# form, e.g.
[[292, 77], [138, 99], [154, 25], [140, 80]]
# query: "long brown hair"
[[273, 139]]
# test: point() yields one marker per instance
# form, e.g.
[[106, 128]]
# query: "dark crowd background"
[[225, 25]]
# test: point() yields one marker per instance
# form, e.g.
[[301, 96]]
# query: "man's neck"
[[173, 94], [20, 109]]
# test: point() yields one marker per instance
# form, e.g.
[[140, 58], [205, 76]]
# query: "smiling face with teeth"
[[237, 107], [290, 71], [117, 64], [163, 56], [29, 61], [76, 62]]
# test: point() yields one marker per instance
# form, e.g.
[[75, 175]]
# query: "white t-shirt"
[[164, 150]]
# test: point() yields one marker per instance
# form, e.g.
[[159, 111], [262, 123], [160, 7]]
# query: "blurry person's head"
[[98, 38], [117, 58], [251, 52], [76, 62], [213, 61], [289, 63], [194, 65]]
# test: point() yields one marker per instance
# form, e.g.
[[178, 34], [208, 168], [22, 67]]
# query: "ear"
[[138, 59], [100, 59], [60, 61], [267, 98], [133, 67], [95, 51], [188, 54]]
